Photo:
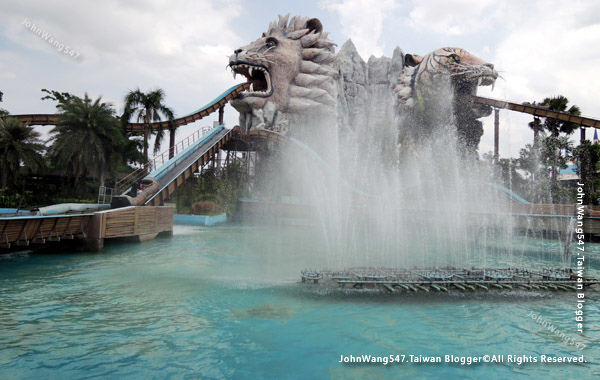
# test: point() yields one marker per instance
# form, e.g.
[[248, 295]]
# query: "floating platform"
[[394, 280]]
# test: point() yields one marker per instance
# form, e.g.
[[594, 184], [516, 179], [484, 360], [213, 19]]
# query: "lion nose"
[[238, 51], [490, 65]]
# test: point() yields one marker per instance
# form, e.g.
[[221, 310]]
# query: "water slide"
[[154, 188], [157, 186], [217, 104]]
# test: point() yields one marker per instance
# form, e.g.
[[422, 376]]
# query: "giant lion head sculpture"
[[290, 71]]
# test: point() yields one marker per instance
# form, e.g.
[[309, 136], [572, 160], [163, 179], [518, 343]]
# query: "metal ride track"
[[537, 111], [218, 103]]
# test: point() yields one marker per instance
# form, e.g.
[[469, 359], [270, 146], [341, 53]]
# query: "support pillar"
[[496, 134], [218, 157], [581, 161], [221, 113], [171, 143]]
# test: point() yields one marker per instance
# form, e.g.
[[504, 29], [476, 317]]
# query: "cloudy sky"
[[541, 48]]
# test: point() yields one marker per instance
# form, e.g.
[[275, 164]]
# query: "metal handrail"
[[103, 193], [160, 159]]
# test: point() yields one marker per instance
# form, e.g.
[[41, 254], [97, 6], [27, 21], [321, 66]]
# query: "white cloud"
[[362, 21], [549, 51], [450, 17], [180, 46], [542, 48]]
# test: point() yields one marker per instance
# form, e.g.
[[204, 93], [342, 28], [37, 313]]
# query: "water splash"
[[399, 194]]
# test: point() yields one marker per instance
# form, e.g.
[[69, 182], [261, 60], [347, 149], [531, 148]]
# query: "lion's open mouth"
[[469, 85], [257, 75]]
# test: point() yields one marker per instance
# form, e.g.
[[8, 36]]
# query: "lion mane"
[[291, 72]]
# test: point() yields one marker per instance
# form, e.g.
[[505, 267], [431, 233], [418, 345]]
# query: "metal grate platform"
[[446, 279]]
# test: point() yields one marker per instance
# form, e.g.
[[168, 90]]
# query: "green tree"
[[505, 170], [588, 165], [60, 97], [18, 144], [3, 112], [147, 108], [536, 127], [550, 150], [539, 161], [87, 138], [561, 104]]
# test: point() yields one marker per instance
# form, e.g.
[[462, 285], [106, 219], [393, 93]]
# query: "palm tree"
[[87, 138], [148, 108], [536, 127], [560, 104], [555, 127], [18, 144]]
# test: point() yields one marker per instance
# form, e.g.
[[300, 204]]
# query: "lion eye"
[[454, 58], [271, 42]]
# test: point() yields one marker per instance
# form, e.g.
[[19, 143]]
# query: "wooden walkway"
[[90, 229], [22, 231]]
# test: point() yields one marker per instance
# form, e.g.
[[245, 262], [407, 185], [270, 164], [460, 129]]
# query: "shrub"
[[204, 207]]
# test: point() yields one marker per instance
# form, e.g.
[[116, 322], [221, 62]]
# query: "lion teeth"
[[251, 89], [479, 81], [250, 71], [234, 74]]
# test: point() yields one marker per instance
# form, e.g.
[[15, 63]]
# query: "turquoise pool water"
[[225, 302]]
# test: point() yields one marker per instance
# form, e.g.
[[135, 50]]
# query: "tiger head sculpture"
[[423, 90], [422, 76], [290, 72]]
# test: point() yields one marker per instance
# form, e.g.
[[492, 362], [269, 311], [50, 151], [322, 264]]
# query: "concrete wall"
[[199, 220]]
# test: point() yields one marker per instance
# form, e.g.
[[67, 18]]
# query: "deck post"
[[95, 231]]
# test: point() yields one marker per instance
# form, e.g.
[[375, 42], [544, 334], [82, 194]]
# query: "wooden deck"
[[135, 222], [138, 222], [24, 230]]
